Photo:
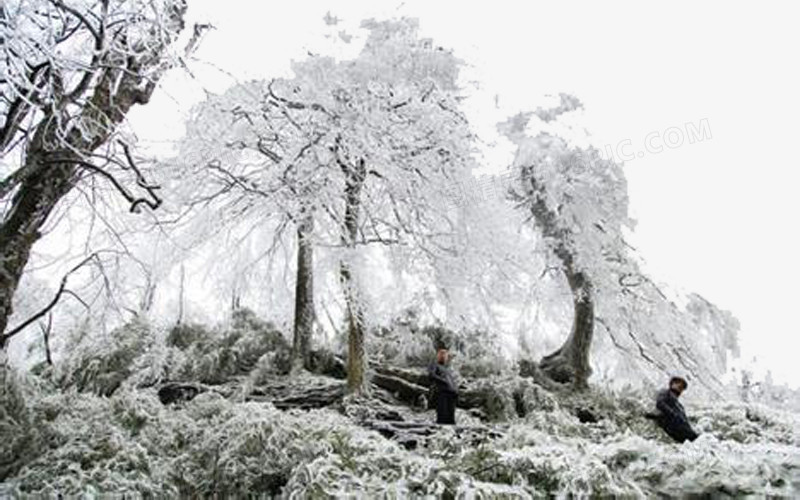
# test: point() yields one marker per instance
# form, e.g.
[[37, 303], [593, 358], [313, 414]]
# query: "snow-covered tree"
[[69, 74], [578, 201], [351, 152]]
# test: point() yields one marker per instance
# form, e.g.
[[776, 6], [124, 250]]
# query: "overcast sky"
[[716, 216]]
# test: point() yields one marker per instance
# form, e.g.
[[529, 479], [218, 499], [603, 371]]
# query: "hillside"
[[232, 438]]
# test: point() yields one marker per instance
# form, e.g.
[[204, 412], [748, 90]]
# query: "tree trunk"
[[148, 294], [570, 363], [47, 331], [356, 356], [38, 194], [304, 296], [181, 295]]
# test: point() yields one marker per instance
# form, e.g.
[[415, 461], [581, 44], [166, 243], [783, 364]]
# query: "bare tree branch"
[[61, 290]]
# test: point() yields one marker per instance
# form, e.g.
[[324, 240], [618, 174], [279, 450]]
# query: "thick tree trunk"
[[570, 363], [38, 194], [356, 355], [304, 296]]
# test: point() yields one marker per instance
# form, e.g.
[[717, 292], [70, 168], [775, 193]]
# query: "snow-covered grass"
[[130, 443], [65, 431]]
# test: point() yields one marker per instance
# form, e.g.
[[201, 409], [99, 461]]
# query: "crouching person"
[[445, 391], [670, 415]]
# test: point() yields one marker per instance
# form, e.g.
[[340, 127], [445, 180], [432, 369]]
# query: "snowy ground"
[[131, 443], [60, 435]]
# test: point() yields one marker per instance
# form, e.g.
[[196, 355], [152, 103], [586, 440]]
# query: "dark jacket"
[[442, 379], [445, 393], [672, 417]]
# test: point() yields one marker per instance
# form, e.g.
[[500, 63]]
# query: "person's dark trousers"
[[679, 432], [446, 407]]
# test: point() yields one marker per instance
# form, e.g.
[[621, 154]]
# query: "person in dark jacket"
[[445, 391], [670, 414]]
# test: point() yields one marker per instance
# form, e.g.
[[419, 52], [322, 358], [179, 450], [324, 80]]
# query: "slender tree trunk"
[[46, 333], [304, 315], [356, 354], [148, 295], [236, 299], [181, 295]]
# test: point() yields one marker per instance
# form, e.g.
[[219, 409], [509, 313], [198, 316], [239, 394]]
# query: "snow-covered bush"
[[94, 447], [157, 364], [405, 342], [267, 367], [184, 335], [100, 364], [212, 446], [477, 353], [130, 444], [253, 447], [495, 397], [215, 357], [67, 437], [749, 423], [18, 434]]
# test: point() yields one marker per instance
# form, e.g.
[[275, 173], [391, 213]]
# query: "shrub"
[[18, 435], [404, 342], [185, 335], [237, 350], [129, 444], [100, 364]]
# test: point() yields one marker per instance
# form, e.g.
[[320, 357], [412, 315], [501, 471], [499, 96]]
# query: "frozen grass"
[[130, 443], [63, 432], [100, 365]]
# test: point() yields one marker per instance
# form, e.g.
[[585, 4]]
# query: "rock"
[[586, 416], [175, 392], [301, 392]]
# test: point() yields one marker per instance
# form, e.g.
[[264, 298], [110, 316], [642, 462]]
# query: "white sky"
[[715, 217]]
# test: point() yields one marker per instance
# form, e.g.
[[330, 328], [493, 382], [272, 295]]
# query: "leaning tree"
[[69, 74], [579, 204], [578, 201]]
